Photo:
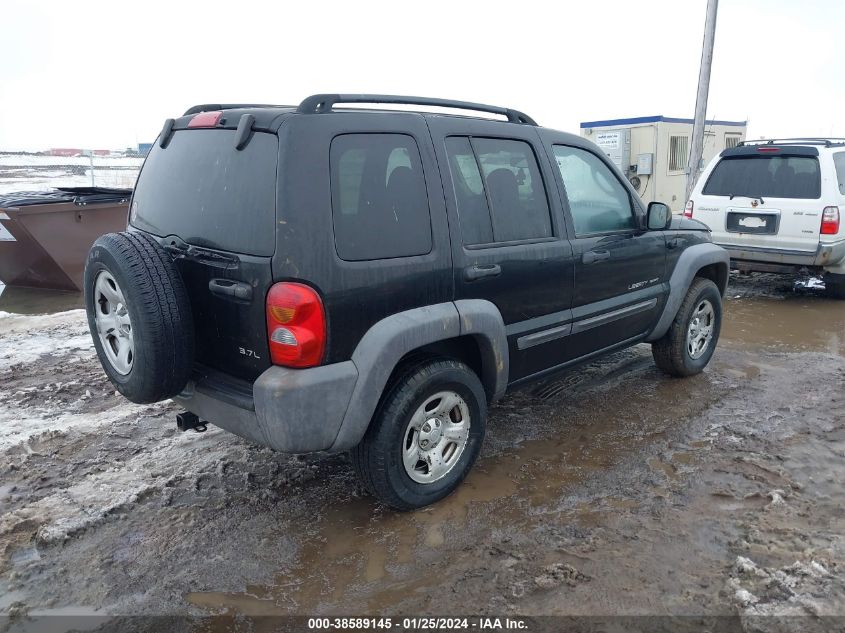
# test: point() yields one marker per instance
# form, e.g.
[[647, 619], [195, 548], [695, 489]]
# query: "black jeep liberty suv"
[[320, 278]]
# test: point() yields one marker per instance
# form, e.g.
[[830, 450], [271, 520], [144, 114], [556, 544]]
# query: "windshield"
[[765, 176], [203, 190]]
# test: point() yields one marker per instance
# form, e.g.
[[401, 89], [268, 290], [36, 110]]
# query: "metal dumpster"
[[45, 236]]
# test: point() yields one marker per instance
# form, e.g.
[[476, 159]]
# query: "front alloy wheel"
[[688, 345], [700, 331]]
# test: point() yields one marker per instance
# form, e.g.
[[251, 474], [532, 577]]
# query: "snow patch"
[[17, 428], [25, 339]]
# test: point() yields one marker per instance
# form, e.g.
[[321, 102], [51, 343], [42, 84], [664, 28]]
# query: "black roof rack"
[[801, 140], [214, 107], [318, 104]]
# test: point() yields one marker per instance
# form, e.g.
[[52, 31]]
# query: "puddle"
[[38, 301], [793, 323]]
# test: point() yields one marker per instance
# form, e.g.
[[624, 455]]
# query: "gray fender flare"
[[386, 342], [689, 263], [482, 320]]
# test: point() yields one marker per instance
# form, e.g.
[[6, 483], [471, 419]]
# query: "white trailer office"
[[653, 151]]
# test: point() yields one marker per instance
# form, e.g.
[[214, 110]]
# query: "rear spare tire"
[[139, 316]]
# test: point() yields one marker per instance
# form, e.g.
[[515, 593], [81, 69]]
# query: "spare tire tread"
[[164, 294]]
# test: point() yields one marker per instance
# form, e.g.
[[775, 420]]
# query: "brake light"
[[296, 325], [205, 119], [768, 150], [689, 209], [830, 221]]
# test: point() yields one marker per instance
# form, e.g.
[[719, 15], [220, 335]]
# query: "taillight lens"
[[296, 325], [689, 209], [830, 221], [206, 119]]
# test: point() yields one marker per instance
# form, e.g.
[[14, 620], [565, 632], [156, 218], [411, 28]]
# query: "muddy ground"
[[610, 490]]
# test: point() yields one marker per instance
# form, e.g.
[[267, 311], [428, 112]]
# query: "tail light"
[[689, 209], [830, 221], [296, 325]]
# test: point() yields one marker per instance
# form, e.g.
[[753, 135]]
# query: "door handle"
[[229, 288], [471, 273], [591, 257]]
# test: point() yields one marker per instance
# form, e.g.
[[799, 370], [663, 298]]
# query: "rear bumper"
[[828, 256], [289, 410]]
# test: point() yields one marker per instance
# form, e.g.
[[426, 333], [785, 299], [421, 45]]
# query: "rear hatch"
[[763, 196], [214, 206]]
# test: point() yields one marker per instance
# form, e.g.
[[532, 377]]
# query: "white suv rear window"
[[766, 176]]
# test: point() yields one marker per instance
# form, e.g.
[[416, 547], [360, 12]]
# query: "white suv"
[[775, 206]]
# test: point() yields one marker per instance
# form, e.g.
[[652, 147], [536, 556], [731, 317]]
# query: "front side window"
[[597, 200], [766, 176], [379, 200], [499, 190]]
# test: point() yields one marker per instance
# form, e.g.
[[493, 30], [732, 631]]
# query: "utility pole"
[[697, 148]]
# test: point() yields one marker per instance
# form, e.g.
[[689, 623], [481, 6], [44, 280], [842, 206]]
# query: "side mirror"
[[658, 216]]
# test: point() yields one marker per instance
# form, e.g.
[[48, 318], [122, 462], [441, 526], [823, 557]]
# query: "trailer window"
[[678, 153]]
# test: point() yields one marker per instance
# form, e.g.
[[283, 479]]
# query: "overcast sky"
[[106, 74]]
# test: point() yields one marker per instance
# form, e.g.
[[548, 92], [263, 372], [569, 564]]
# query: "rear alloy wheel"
[[688, 345], [425, 435], [436, 437]]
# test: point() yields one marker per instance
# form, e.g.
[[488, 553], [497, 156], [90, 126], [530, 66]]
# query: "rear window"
[[766, 176], [379, 201], [498, 189], [209, 194], [839, 161]]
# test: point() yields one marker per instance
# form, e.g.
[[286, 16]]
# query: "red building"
[[65, 152]]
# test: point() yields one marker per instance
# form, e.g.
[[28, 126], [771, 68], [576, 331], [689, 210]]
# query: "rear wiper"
[[734, 195], [194, 253]]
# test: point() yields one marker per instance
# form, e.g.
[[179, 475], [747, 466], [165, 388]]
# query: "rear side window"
[[597, 200], [379, 200], [839, 161], [765, 176], [203, 190], [499, 190]]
